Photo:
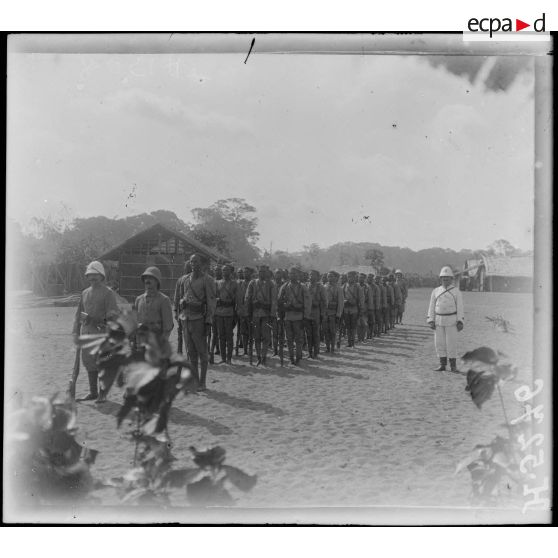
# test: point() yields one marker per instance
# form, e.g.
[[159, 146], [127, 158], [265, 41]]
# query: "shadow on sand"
[[176, 416]]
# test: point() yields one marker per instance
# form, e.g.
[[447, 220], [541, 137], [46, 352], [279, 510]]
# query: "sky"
[[328, 148]]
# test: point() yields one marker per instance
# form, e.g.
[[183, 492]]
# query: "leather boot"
[[443, 364], [453, 365]]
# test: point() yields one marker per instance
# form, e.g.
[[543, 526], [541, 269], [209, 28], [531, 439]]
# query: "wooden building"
[[499, 274], [158, 245]]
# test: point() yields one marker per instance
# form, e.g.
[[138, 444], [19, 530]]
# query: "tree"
[[230, 220], [502, 247], [375, 257]]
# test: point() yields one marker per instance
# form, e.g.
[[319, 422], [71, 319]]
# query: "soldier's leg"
[[275, 324], [289, 331], [307, 331], [229, 326], [266, 338], [298, 330], [215, 337], [90, 364], [316, 336], [200, 342], [221, 339], [192, 349], [258, 337], [244, 332]]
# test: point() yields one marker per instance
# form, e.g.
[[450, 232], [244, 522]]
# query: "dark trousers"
[[351, 324], [225, 333], [371, 324], [386, 312], [312, 328], [330, 332], [262, 335], [243, 331], [295, 336], [196, 341]]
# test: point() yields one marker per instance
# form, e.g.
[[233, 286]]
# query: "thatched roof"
[[508, 266], [164, 233]]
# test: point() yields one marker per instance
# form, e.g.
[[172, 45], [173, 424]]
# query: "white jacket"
[[446, 306]]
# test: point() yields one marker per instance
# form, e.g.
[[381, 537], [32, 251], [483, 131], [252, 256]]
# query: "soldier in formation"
[[197, 302], [261, 299]]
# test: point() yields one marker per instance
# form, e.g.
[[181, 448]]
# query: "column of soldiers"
[[303, 309], [223, 311]]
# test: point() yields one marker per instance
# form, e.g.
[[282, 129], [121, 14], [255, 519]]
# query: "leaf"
[[124, 411], [481, 386], [505, 371], [483, 354], [213, 457], [137, 375], [239, 478], [177, 478]]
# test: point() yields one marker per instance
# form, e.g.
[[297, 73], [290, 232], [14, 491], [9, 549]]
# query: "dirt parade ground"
[[371, 427]]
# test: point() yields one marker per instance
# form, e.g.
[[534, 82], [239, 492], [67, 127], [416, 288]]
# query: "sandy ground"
[[373, 426]]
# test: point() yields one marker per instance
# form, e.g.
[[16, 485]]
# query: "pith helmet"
[[153, 272], [398, 271], [446, 271], [95, 267]]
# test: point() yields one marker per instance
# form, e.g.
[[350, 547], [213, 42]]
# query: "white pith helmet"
[[446, 271], [95, 267]]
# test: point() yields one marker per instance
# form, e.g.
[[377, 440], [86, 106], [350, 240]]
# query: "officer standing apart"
[[197, 307], [446, 318], [96, 305]]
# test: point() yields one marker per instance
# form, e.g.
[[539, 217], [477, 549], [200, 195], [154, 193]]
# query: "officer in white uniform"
[[446, 317]]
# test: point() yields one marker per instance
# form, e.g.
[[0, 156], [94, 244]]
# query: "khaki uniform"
[[197, 304], [362, 325], [353, 305], [294, 301], [312, 323], [261, 298], [99, 303], [334, 310], [226, 293], [155, 312]]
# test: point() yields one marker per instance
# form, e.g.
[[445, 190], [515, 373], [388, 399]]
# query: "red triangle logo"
[[519, 25]]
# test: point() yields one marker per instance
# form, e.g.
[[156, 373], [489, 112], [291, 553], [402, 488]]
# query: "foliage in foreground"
[[495, 467], [46, 462]]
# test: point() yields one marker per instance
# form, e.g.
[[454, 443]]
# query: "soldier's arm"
[[431, 315], [77, 318], [460, 309]]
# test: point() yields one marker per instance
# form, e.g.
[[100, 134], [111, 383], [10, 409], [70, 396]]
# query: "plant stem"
[[504, 409]]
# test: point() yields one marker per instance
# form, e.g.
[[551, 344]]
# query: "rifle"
[[280, 333], [75, 374], [180, 337]]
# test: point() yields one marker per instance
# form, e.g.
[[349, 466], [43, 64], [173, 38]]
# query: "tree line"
[[230, 227]]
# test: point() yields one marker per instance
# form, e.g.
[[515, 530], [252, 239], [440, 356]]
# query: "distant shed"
[[158, 245], [499, 273]]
